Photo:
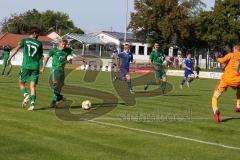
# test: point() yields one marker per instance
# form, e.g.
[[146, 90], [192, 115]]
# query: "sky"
[[89, 15]]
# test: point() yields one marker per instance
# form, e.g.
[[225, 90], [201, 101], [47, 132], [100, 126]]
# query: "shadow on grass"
[[230, 119], [182, 95], [94, 106]]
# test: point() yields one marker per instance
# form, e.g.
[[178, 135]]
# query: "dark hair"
[[64, 40], [35, 30], [157, 43]]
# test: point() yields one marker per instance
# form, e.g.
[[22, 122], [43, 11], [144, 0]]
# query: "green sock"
[[33, 99], [164, 86], [54, 98], [9, 69], [3, 71], [24, 92]]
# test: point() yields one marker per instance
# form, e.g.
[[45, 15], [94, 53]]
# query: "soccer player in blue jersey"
[[188, 72], [125, 58]]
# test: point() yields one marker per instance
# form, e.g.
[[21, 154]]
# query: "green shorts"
[[159, 72], [58, 76], [29, 74]]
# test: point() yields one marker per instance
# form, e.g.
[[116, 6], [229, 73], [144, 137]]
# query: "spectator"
[[197, 69]]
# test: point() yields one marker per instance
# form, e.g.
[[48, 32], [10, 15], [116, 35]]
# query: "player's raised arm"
[[14, 53], [225, 59]]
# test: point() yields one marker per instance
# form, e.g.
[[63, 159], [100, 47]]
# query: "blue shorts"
[[124, 71], [188, 72]]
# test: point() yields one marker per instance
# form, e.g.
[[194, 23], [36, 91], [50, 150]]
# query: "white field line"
[[140, 119], [165, 134]]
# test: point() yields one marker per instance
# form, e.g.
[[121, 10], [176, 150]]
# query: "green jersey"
[[157, 57], [6, 53], [59, 57], [32, 53]]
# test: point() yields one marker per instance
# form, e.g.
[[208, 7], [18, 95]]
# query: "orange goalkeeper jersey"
[[231, 75]]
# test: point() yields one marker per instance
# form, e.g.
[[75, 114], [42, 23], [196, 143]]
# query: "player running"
[[125, 58], [230, 78], [6, 54], [59, 59], [32, 56], [157, 58], [188, 72]]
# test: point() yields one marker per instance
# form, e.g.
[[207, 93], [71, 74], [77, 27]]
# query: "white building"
[[140, 50], [103, 43]]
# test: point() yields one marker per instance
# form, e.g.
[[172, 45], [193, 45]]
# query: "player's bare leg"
[[33, 95], [25, 94], [216, 111], [238, 100]]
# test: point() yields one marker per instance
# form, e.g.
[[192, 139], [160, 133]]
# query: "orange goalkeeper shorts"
[[223, 85]]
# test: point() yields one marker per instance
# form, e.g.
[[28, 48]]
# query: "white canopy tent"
[[86, 39]]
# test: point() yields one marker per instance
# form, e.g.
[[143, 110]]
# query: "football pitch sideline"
[[179, 126]]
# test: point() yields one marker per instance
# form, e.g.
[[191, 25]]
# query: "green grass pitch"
[[41, 134]]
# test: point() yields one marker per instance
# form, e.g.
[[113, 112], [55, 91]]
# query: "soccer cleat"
[[114, 79], [237, 109], [61, 98], [217, 116], [31, 108], [132, 91], [188, 84], [53, 105], [25, 101], [145, 87], [163, 93]]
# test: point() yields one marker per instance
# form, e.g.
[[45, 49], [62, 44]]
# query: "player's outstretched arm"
[[13, 54], [44, 63], [225, 59]]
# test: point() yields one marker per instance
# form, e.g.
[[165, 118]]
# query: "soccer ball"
[[86, 104]]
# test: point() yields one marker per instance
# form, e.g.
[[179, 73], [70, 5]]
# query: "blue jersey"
[[125, 59], [188, 63]]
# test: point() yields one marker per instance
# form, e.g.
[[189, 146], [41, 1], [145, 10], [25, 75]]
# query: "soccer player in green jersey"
[[32, 57], [157, 58], [59, 59], [6, 53]]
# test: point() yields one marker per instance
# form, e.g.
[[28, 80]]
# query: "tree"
[[46, 21], [195, 6], [168, 21], [220, 27]]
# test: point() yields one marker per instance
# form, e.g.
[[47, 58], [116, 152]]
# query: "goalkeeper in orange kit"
[[230, 78]]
